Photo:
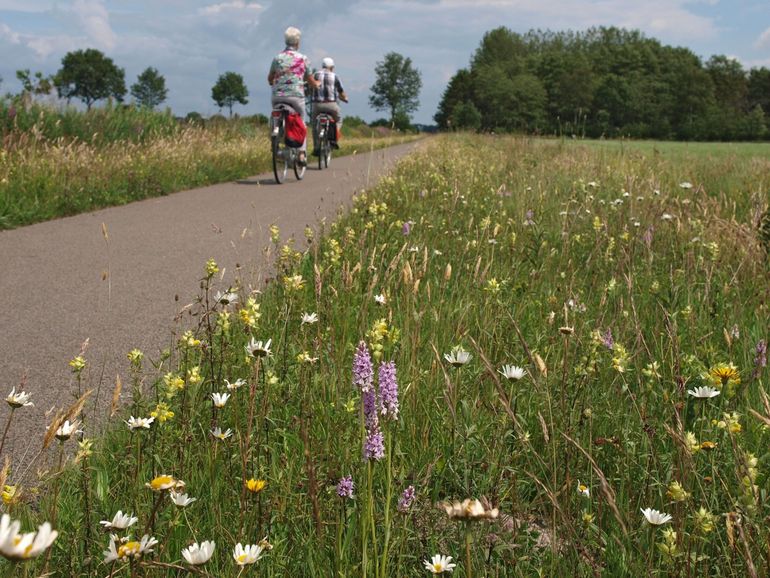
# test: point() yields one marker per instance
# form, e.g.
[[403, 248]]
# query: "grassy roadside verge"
[[618, 283], [42, 179]]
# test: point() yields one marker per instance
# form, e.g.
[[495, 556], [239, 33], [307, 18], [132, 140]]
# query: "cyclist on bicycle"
[[325, 97], [289, 71]]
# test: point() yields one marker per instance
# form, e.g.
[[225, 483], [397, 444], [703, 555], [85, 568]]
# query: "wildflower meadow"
[[511, 357]]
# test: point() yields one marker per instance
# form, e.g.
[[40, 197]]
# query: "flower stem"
[[468, 563], [5, 431]]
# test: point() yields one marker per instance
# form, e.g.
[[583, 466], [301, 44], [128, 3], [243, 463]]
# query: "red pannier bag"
[[296, 131]]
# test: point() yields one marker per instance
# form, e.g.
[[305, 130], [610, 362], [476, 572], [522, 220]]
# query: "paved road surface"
[[61, 282]]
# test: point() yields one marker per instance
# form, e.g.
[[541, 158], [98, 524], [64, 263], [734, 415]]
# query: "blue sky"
[[191, 42]]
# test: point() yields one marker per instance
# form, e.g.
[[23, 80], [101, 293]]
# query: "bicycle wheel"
[[326, 152], [299, 170], [280, 160]]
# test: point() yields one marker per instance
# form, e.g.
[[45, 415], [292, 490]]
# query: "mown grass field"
[[619, 280], [54, 164]]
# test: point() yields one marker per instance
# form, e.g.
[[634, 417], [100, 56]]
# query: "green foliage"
[[616, 287], [35, 84], [229, 90], [90, 76], [149, 90], [466, 116], [606, 82], [396, 88]]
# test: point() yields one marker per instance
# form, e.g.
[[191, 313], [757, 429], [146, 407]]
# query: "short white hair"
[[292, 36]]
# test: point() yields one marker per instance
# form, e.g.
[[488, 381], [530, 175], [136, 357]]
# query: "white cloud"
[[95, 21], [763, 41], [9, 35], [240, 7]]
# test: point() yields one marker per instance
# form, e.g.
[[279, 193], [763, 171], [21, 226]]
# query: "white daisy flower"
[[120, 521], [197, 554], [458, 357], [128, 548], [17, 547], [512, 372], [247, 555], [66, 430], [381, 299], [226, 298], [17, 400], [237, 384], [258, 348], [439, 564], [181, 500], [220, 399], [309, 318], [655, 517], [221, 435], [704, 392], [583, 490], [134, 423]]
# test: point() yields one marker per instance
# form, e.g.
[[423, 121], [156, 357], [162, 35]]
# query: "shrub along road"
[[65, 281]]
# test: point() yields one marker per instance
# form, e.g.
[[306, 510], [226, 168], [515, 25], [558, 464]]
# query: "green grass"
[[684, 150], [56, 164], [615, 288]]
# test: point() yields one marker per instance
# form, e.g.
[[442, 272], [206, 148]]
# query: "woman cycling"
[[289, 72]]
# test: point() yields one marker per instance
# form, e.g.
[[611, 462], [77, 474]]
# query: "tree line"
[[90, 76], [605, 81]]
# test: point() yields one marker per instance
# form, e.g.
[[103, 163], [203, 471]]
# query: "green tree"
[[460, 90], [150, 88], [229, 90], [397, 88], [89, 75], [466, 116], [759, 88], [34, 84]]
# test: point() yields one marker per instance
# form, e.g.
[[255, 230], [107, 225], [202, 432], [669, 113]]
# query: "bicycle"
[[283, 156], [324, 125]]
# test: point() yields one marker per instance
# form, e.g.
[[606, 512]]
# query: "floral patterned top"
[[288, 69]]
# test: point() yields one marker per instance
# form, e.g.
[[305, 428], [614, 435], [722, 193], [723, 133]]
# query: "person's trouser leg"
[[314, 124]]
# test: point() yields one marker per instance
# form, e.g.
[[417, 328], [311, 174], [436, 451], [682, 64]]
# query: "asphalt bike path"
[[118, 277]]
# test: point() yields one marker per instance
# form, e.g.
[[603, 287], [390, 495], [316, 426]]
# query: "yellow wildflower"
[[194, 375], [135, 357], [10, 495], [676, 492], [211, 268], [255, 486], [162, 413], [77, 364]]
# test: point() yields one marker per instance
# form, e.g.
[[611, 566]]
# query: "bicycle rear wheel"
[[280, 160], [326, 152], [299, 169]]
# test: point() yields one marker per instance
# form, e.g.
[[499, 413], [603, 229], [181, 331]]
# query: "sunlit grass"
[[43, 178], [617, 283]]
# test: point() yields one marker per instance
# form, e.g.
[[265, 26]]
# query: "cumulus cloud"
[[95, 21], [239, 7], [763, 41], [9, 35]]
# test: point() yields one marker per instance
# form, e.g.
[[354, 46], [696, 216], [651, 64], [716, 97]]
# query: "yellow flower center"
[[129, 549], [242, 558], [161, 483], [438, 567]]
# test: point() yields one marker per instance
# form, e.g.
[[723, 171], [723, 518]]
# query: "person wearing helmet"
[[289, 71], [325, 96]]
